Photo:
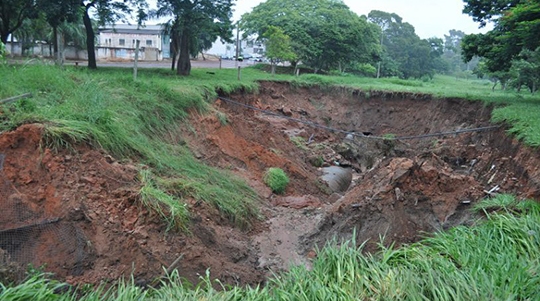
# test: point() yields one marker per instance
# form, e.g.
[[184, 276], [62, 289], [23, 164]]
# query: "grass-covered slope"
[[497, 259], [131, 119]]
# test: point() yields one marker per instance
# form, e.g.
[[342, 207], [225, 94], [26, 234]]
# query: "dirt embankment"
[[77, 211]]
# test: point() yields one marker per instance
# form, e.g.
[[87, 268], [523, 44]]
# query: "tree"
[[107, 12], [56, 13], [325, 34], [383, 20], [526, 70], [190, 20], [452, 52], [484, 11], [278, 46], [404, 53], [12, 15], [517, 28]]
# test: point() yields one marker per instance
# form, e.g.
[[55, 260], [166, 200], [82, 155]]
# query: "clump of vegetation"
[[317, 161], [276, 179], [169, 208], [222, 117], [2, 50], [300, 142]]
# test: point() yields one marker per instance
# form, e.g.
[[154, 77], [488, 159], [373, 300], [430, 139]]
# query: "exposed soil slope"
[[77, 211]]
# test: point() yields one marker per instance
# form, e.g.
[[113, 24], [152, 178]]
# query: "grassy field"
[[496, 260]]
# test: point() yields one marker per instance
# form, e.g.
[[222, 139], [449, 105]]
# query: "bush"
[[276, 179], [2, 50]]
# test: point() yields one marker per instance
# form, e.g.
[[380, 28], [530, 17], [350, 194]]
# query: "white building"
[[119, 42]]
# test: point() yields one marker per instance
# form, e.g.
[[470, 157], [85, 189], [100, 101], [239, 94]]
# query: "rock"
[[285, 111]]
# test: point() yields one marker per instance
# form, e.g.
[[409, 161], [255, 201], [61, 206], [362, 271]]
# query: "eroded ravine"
[[88, 227], [401, 189]]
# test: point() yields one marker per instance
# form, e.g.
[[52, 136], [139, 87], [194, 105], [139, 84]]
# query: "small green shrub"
[[2, 50], [222, 117], [276, 179], [300, 142]]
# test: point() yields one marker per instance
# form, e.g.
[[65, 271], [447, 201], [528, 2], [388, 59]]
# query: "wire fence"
[[32, 239], [359, 134]]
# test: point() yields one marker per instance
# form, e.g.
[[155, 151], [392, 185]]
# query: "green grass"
[[140, 120], [497, 259], [276, 179]]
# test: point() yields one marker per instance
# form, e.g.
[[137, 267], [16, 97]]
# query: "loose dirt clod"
[[399, 190]]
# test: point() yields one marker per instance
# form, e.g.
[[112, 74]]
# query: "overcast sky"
[[430, 18]]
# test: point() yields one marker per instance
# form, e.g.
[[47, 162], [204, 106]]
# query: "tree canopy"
[[192, 23], [517, 28], [107, 12], [12, 15], [278, 46], [325, 34], [404, 53]]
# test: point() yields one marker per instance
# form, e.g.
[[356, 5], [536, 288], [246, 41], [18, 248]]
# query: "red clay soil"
[[102, 233], [78, 212]]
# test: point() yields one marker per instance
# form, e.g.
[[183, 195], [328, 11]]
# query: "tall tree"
[[12, 15], [57, 12], [404, 53], [278, 46], [383, 20], [517, 28], [452, 53], [193, 18], [107, 12], [325, 34]]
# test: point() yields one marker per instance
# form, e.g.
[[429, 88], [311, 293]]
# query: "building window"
[[122, 42], [148, 42]]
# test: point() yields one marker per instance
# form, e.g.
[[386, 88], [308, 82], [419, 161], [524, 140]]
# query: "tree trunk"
[[90, 40], [12, 47], [4, 34], [174, 48], [55, 44], [273, 68], [173, 60], [184, 62]]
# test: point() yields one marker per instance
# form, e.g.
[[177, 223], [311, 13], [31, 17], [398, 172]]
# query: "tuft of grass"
[[170, 209], [501, 202], [276, 179], [299, 142], [222, 118], [523, 117]]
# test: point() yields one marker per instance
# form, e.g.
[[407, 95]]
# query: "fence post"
[[136, 60]]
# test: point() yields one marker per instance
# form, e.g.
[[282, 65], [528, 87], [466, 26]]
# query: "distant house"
[[119, 41]]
